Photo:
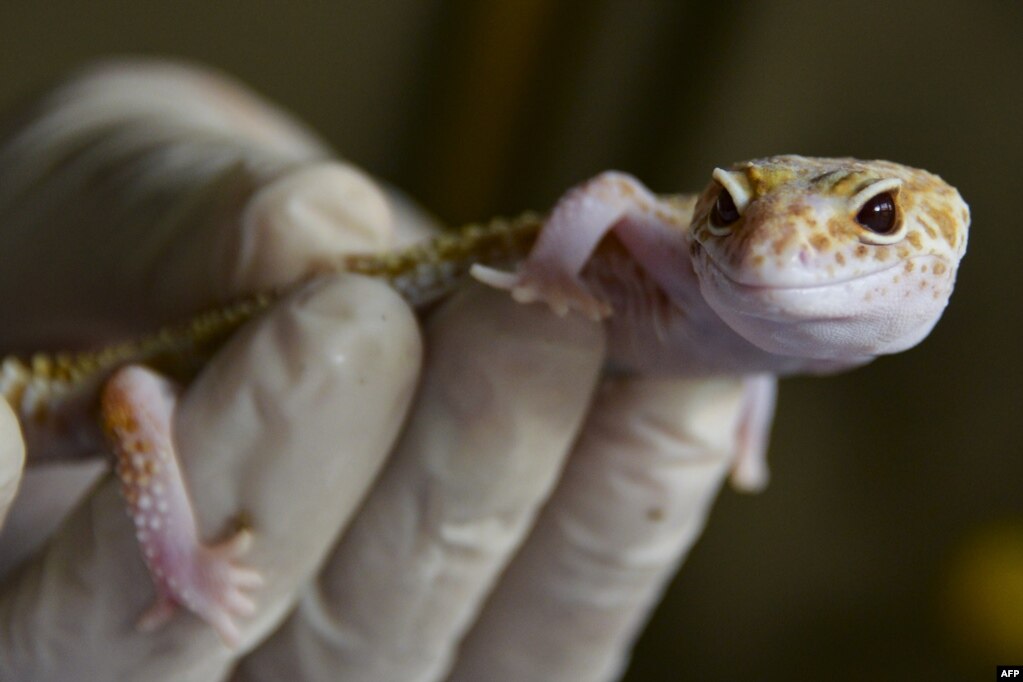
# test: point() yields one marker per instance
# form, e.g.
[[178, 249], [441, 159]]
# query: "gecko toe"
[[494, 278]]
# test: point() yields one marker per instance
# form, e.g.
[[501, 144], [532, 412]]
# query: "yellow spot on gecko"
[[945, 223]]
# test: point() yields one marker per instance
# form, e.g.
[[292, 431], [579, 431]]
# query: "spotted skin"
[[801, 209], [794, 284], [137, 407], [797, 260]]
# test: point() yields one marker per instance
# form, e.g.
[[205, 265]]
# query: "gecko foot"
[[558, 290], [137, 409], [209, 582]]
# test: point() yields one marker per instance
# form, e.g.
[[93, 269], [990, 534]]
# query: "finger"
[[633, 499], [287, 427], [12, 458], [142, 193], [505, 389], [44, 497]]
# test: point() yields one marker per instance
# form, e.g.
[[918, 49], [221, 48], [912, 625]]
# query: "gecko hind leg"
[[137, 407]]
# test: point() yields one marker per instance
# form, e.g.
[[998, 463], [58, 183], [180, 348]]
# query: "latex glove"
[[142, 193]]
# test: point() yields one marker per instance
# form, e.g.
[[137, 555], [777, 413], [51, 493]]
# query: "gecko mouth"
[[727, 274], [831, 300]]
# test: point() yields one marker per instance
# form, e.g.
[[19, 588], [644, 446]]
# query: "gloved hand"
[[504, 524]]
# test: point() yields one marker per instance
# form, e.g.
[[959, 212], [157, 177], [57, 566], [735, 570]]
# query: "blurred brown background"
[[890, 543]]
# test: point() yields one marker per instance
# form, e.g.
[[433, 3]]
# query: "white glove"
[[516, 531]]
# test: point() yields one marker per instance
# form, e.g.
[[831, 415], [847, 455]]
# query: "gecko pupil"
[[878, 214], [725, 213]]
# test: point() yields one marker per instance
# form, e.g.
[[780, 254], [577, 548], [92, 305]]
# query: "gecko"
[[781, 265]]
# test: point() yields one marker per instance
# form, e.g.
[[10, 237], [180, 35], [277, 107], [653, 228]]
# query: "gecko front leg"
[[137, 407], [611, 201]]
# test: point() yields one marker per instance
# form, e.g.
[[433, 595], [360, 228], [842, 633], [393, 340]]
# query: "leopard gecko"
[[782, 265]]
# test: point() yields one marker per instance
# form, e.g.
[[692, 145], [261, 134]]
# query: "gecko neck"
[[668, 329]]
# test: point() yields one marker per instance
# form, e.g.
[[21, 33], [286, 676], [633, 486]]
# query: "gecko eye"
[[724, 213], [879, 215]]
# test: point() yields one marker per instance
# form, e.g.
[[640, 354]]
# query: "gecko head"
[[828, 258]]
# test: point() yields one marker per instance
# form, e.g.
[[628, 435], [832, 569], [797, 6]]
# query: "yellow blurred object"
[[983, 593]]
